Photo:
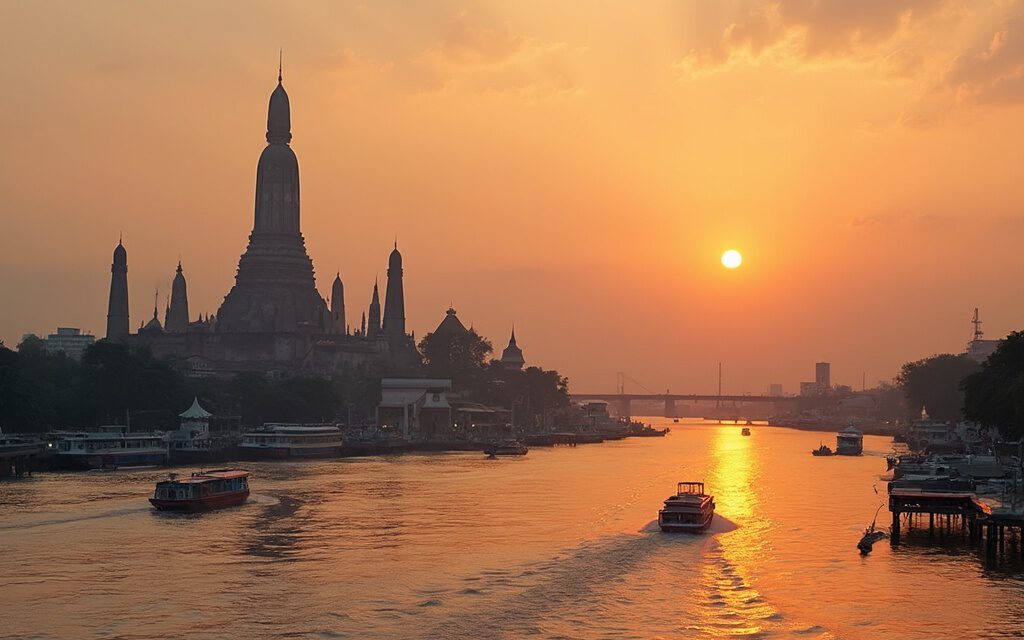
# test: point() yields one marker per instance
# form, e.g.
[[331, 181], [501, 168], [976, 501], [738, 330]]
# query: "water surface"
[[559, 544]]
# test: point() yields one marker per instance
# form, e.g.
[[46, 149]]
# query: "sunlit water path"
[[559, 544]]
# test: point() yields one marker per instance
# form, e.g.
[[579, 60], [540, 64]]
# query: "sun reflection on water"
[[734, 606]]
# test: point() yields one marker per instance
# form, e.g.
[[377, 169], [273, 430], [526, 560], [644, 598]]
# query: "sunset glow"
[[469, 132]]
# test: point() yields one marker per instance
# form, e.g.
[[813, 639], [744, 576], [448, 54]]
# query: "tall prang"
[[117, 303], [338, 306], [176, 320], [275, 289], [394, 299], [374, 320]]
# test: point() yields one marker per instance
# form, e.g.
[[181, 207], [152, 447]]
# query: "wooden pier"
[[982, 521]]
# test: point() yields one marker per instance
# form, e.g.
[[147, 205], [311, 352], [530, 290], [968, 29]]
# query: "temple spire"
[[117, 303], [280, 63], [394, 299]]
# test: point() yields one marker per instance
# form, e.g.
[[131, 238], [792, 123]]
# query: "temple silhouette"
[[273, 318]]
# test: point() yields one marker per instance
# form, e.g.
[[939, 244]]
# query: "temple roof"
[[195, 411], [451, 324], [512, 353]]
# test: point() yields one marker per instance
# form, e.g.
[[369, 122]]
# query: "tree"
[[458, 355], [994, 394], [934, 383]]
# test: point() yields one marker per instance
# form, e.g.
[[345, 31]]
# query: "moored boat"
[[111, 447], [277, 441], [689, 510], [849, 442], [507, 448], [823, 450], [203, 491]]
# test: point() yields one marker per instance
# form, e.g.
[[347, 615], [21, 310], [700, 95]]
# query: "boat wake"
[[53, 519], [643, 585]]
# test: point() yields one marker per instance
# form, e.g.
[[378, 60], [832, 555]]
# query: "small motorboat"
[[871, 533], [871, 536], [745, 431], [823, 450], [690, 510], [506, 448], [203, 491]]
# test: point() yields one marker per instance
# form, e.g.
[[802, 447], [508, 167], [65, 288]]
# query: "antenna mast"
[[977, 325]]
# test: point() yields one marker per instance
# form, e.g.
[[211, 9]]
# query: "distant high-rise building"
[[775, 389], [176, 319], [70, 341], [117, 303], [823, 375]]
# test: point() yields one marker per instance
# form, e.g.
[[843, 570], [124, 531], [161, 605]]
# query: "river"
[[561, 543]]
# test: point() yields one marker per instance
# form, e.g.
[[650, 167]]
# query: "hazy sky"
[[574, 168]]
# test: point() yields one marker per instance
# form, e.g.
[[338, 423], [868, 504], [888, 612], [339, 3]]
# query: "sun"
[[732, 259]]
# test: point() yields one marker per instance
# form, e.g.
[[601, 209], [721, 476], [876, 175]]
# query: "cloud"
[[994, 73], [802, 30], [485, 59], [906, 220]]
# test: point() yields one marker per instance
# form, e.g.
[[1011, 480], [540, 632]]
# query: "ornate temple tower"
[[373, 328], [117, 304], [394, 300], [338, 306], [275, 290], [176, 319], [512, 356]]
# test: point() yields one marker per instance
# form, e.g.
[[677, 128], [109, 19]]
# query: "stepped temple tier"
[[274, 318]]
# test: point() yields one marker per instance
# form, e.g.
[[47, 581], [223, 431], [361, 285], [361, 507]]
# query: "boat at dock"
[[823, 450], [506, 448], [850, 442], [689, 510], [110, 447], [202, 491], [278, 441]]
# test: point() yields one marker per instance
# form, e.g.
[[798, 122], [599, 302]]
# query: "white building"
[[417, 406], [70, 341]]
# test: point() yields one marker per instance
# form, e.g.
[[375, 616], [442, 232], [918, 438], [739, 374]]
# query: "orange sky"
[[575, 168]]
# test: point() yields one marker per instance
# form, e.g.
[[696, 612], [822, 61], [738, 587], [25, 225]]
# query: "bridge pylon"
[[670, 407], [622, 405]]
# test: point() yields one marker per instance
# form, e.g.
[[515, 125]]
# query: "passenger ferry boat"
[[110, 447], [690, 510], [849, 442], [507, 448], [202, 491], [277, 441]]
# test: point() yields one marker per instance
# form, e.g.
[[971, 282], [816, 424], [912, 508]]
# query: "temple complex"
[[273, 318]]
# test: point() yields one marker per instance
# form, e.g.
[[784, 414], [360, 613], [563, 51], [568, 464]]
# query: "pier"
[[955, 510], [20, 458]]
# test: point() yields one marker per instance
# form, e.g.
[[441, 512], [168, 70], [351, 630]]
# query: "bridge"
[[622, 402]]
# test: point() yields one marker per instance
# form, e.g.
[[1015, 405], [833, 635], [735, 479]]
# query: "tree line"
[[115, 384], [955, 387]]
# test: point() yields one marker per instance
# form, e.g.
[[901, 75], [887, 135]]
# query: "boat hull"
[[205, 503], [284, 453], [687, 527], [72, 462]]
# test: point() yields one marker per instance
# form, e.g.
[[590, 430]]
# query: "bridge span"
[[622, 401]]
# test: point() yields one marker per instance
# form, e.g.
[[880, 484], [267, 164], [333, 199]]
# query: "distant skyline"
[[574, 169]]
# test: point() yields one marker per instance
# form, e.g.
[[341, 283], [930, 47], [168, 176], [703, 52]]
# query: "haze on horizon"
[[575, 169]]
